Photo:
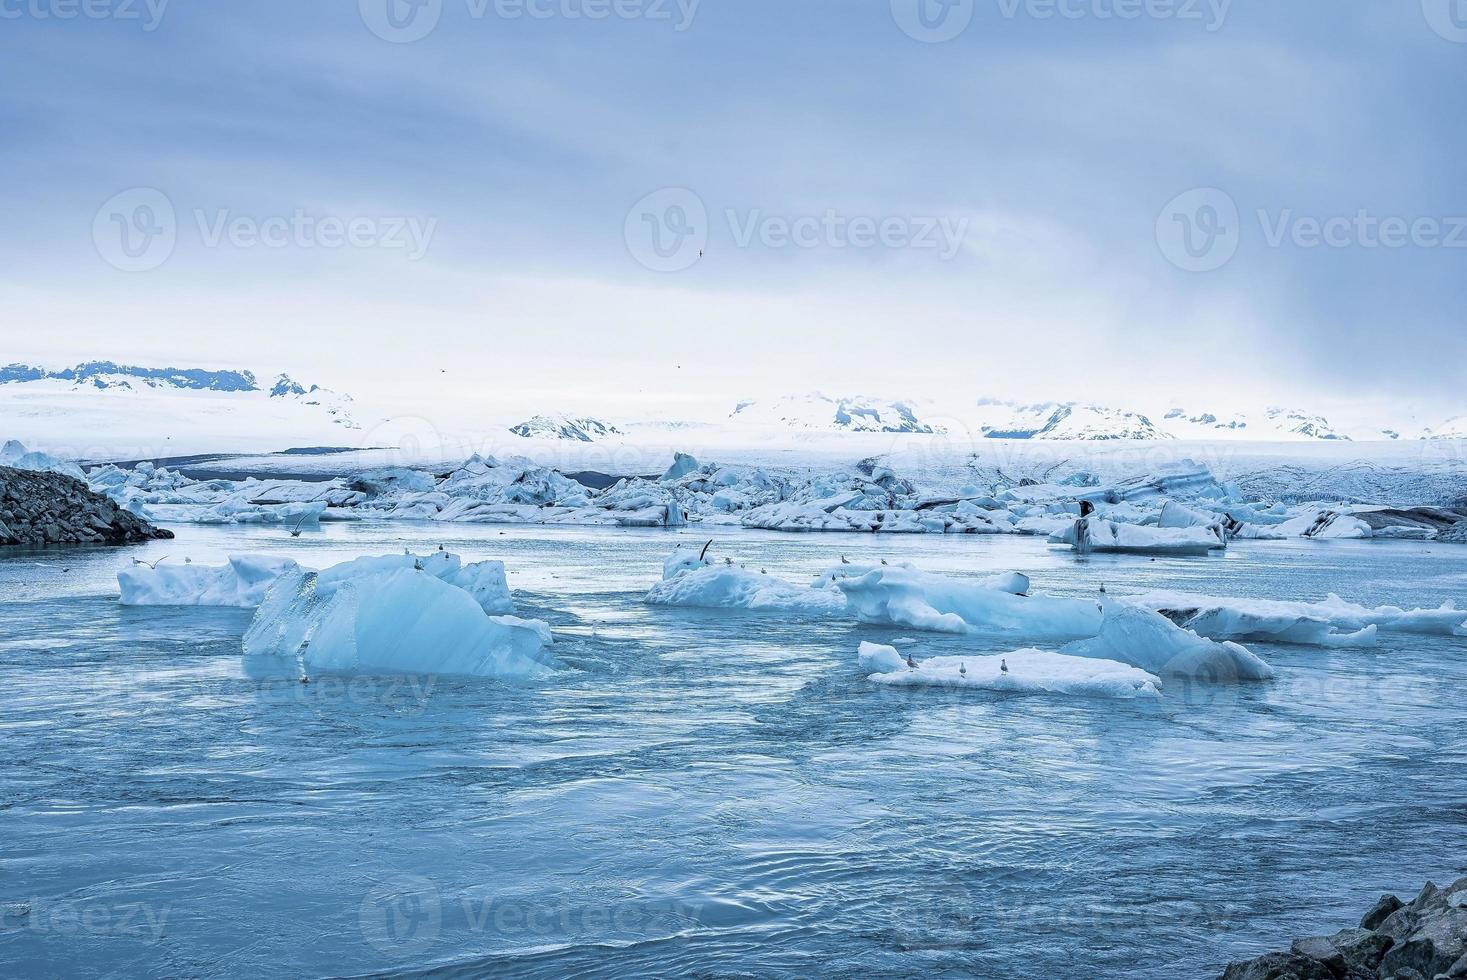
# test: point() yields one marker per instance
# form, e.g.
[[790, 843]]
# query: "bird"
[[406, 551], [151, 564], [1102, 587], [844, 560], [963, 669], [188, 561], [1003, 666], [883, 561], [728, 561], [440, 547], [295, 532], [418, 564], [911, 663]]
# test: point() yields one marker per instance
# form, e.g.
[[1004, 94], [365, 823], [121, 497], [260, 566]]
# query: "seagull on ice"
[[844, 560], [883, 561], [1102, 587], [912, 664], [418, 564], [963, 669], [1003, 666]]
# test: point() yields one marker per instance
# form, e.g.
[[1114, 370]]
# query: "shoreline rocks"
[[1424, 939], [49, 508]]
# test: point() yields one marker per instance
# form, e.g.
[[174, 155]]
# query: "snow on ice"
[[1332, 622]]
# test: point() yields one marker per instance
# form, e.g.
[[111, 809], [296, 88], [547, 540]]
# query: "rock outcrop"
[[49, 508], [1425, 939]]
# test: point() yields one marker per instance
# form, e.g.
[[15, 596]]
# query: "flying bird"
[[151, 564]]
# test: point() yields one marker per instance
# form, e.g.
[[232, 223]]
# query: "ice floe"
[[241, 583], [999, 605], [1026, 671], [1146, 639], [1332, 622], [1090, 535]]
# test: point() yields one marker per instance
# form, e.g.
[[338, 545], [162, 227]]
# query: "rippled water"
[[704, 792]]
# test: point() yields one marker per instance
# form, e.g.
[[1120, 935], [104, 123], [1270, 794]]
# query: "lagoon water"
[[707, 792]]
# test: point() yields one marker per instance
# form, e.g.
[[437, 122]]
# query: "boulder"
[[52, 508]]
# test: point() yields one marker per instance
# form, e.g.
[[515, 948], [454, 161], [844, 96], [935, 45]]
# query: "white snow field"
[[1021, 671], [1146, 639], [397, 621], [1331, 622]]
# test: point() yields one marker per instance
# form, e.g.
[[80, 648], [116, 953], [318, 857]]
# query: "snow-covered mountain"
[[1453, 428], [104, 409], [564, 427], [1274, 424], [1061, 420], [841, 414]]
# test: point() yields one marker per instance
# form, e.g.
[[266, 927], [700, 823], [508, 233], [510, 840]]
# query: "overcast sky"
[[456, 201]]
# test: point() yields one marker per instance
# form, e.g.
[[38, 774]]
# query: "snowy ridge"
[[844, 414], [564, 427]]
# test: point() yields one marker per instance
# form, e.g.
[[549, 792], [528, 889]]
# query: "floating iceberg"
[[241, 583], [1300, 622], [397, 621], [902, 596], [732, 586], [16, 456], [1029, 671], [1093, 535], [1146, 639]]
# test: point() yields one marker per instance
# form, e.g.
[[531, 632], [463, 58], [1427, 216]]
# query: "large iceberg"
[[1028, 671], [1286, 621], [392, 621], [241, 583], [15, 455], [999, 605], [1143, 638]]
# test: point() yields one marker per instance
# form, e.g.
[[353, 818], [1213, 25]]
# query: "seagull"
[[912, 664], [151, 564], [1003, 666], [963, 669], [418, 564], [440, 547], [883, 561], [188, 561], [844, 560], [1102, 587], [728, 561], [295, 532]]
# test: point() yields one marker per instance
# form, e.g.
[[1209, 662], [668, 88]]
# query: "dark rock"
[[1278, 966], [53, 509], [1384, 907]]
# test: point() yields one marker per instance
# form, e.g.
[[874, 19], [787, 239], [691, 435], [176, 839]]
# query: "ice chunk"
[[1093, 535], [397, 621], [16, 456], [242, 583], [1221, 618], [487, 583], [737, 587], [903, 596], [1029, 671], [1262, 619], [1146, 639], [682, 465]]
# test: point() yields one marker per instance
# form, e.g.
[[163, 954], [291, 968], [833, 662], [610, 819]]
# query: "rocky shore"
[[49, 508], [1424, 939]]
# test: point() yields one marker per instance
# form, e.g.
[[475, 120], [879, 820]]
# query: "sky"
[[662, 207]]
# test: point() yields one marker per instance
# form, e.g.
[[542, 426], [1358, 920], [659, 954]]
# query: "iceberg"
[[999, 605], [1028, 671], [1143, 638], [242, 583], [1301, 622], [733, 586], [1094, 535], [16, 456], [394, 621]]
